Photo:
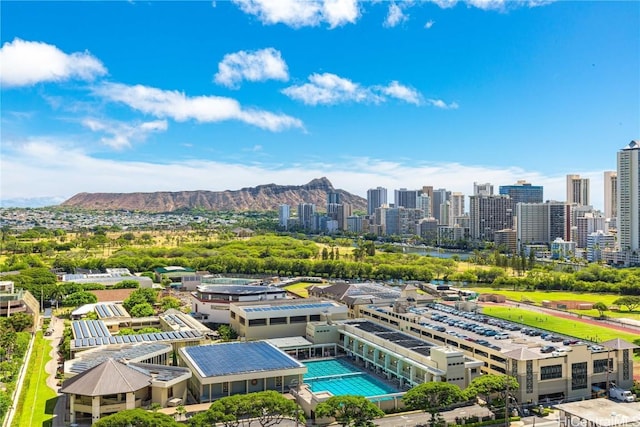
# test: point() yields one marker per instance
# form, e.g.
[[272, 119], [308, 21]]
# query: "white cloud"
[[395, 16], [439, 103], [331, 89], [180, 107], [255, 66], [429, 24], [121, 135], [308, 13], [327, 89], [499, 5], [25, 63], [43, 167], [396, 90]]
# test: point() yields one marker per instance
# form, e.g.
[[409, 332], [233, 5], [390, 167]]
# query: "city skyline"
[[225, 95]]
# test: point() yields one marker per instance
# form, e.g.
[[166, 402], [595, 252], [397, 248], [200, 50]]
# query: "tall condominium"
[[457, 207], [578, 190], [376, 197], [610, 194], [333, 197], [284, 212], [306, 212], [488, 214], [542, 223], [406, 198], [485, 189], [440, 197], [522, 192], [629, 197]]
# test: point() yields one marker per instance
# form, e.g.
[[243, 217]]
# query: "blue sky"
[[170, 96]]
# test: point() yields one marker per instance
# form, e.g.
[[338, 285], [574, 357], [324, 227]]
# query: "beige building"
[[282, 318], [113, 386]]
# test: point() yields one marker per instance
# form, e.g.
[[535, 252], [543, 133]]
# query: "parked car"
[[548, 349], [502, 336]]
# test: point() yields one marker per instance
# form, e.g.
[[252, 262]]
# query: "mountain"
[[261, 198]]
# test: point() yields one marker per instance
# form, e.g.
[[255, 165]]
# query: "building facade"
[[610, 194], [523, 192], [489, 214], [628, 200], [376, 197], [578, 190]]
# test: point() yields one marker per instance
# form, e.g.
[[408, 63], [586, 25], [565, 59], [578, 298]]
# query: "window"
[[242, 321], [550, 372], [314, 318], [233, 314], [257, 322], [600, 366], [579, 376], [298, 319], [278, 320]]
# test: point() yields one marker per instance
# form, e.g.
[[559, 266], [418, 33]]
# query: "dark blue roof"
[[289, 307], [238, 358]]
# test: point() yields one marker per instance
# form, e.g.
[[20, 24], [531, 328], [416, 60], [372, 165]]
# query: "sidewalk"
[[51, 368]]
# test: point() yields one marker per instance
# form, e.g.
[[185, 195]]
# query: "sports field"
[[538, 296], [571, 327]]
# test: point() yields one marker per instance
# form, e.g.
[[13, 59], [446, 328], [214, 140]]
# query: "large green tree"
[[631, 302], [349, 410], [432, 397], [486, 385], [137, 418]]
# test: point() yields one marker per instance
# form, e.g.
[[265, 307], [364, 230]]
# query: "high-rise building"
[[489, 214], [578, 190], [333, 197], [440, 197], [401, 221], [610, 194], [522, 192], [541, 223], [424, 204], [406, 198], [485, 189], [628, 199], [306, 213], [344, 212], [376, 197], [284, 213], [457, 207]]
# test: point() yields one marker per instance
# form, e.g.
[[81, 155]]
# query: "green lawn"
[[538, 296], [555, 324], [300, 288], [37, 400]]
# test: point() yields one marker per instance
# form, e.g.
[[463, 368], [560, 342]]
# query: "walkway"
[[59, 412]]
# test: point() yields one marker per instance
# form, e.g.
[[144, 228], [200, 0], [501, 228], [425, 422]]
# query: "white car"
[[502, 336]]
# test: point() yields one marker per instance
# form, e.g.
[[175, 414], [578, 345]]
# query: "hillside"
[[261, 198]]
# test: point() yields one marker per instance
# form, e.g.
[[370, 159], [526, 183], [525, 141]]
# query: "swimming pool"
[[340, 377]]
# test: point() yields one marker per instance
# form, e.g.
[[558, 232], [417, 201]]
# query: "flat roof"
[[106, 311], [238, 358], [269, 307], [604, 412], [136, 352], [240, 289], [288, 342]]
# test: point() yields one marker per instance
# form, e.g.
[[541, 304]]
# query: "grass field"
[[300, 289], [562, 326], [538, 296], [37, 400]]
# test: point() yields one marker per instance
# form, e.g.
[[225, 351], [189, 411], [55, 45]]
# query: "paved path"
[[51, 368]]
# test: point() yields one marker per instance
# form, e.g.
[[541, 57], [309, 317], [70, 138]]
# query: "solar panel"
[[236, 358], [76, 330]]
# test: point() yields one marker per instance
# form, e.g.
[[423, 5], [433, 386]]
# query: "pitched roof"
[[522, 354], [109, 377], [618, 344]]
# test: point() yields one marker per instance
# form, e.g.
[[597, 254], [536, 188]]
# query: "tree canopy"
[[349, 410], [137, 418], [432, 397]]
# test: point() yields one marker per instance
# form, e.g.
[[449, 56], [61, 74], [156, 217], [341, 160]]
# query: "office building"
[[628, 200], [578, 191], [284, 213], [610, 194], [406, 198], [522, 192], [489, 214], [376, 197]]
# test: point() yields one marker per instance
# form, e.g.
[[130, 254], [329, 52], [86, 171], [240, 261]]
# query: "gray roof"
[[109, 377], [522, 354], [618, 344]]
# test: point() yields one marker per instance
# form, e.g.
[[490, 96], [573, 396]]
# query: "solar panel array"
[[110, 310], [374, 289], [172, 319], [398, 338], [288, 307], [86, 329], [238, 358], [128, 352], [189, 335]]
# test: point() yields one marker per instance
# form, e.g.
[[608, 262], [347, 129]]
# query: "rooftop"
[[109, 377], [130, 352], [239, 289], [238, 358], [604, 412]]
